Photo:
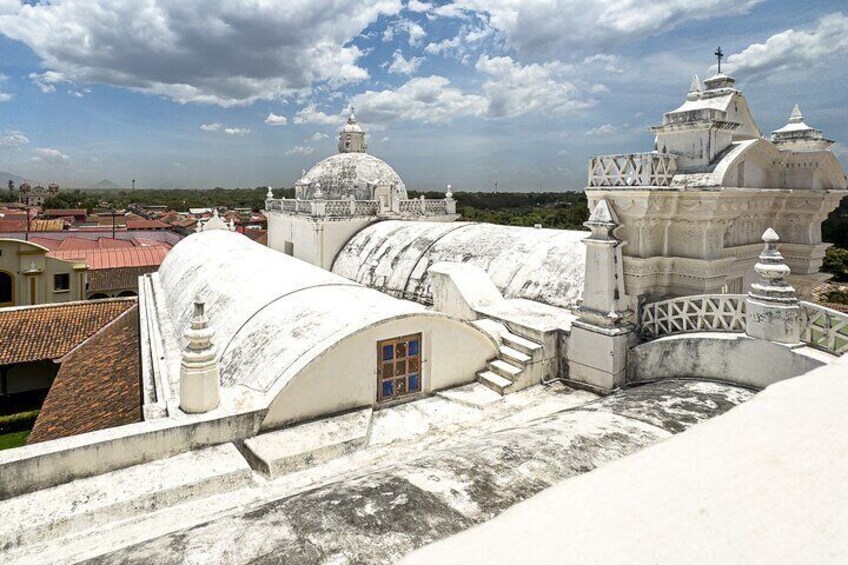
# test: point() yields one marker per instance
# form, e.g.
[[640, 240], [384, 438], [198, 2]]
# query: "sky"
[[479, 94]]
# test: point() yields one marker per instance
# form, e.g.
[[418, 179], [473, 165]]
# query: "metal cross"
[[719, 55]]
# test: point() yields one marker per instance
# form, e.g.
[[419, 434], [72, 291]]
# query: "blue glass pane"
[[414, 382], [388, 389], [388, 352], [413, 347]]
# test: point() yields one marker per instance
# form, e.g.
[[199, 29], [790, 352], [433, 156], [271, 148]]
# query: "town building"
[[29, 275], [36, 196]]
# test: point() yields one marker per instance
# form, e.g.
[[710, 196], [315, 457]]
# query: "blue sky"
[[201, 93]]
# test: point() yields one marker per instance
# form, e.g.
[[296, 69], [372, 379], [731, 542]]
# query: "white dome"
[[346, 174]]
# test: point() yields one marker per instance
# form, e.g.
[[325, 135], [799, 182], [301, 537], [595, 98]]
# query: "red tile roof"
[[98, 385], [113, 258], [68, 212], [142, 224], [12, 225], [36, 333], [122, 278]]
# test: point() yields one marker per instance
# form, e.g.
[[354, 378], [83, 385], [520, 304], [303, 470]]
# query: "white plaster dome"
[[346, 174]]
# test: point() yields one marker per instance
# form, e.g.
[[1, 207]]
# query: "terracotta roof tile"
[[142, 224], [35, 333], [97, 386], [100, 280], [113, 258]]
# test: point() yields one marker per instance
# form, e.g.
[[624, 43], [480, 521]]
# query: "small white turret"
[[798, 136], [199, 382], [352, 136], [772, 310]]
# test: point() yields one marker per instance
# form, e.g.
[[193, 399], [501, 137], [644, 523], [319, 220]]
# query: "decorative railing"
[[635, 169], [336, 208], [699, 313], [824, 328]]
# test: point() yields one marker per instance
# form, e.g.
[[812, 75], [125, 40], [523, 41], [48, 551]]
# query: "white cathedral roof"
[[393, 256], [271, 314]]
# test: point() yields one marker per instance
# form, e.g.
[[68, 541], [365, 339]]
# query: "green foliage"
[[174, 199], [836, 263], [837, 296], [561, 210], [14, 439], [22, 421], [835, 227]]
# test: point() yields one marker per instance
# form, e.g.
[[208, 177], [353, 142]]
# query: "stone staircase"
[[515, 354]]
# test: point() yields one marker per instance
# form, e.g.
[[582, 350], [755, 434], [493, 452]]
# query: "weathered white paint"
[[344, 376], [763, 483], [538, 264], [462, 289], [731, 357]]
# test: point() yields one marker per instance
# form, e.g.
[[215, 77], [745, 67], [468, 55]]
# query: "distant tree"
[[836, 263]]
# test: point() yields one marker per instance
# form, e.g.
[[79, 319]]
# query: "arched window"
[[7, 289], [127, 293]]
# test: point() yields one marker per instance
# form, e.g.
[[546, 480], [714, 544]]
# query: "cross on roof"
[[719, 55]]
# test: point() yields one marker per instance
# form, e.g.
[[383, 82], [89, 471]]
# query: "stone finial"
[[318, 195], [199, 383], [772, 311], [695, 88], [773, 271], [198, 226], [448, 192], [270, 194], [232, 225]]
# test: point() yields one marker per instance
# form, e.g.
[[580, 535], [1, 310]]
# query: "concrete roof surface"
[[763, 484]]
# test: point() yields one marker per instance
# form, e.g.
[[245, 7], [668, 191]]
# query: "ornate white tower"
[[352, 137]]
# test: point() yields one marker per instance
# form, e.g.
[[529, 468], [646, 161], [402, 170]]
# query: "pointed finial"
[[352, 118], [448, 193], [270, 194], [695, 89], [796, 117], [215, 213], [318, 195]]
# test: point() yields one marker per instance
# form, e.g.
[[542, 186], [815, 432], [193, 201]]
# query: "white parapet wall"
[[732, 357]]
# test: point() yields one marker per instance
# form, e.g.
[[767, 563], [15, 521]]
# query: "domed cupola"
[[351, 172], [352, 137]]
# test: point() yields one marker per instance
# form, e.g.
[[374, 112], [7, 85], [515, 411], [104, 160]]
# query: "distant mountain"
[[106, 184], [6, 177]]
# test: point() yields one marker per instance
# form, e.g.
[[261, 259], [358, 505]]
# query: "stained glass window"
[[399, 360]]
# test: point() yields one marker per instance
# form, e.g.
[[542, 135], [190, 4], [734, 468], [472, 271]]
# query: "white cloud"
[[13, 138], [601, 130], [276, 120], [300, 150], [513, 89], [416, 6], [415, 32], [535, 27], [47, 81], [237, 131], [310, 114], [210, 127], [50, 155], [5, 96], [793, 50], [466, 38], [403, 66], [423, 99], [227, 53], [318, 136]]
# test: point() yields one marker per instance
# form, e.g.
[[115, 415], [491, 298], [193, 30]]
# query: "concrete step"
[[494, 381], [514, 356], [521, 344], [299, 447], [121, 495], [504, 369]]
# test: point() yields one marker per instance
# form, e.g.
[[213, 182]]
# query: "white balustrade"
[[635, 169], [824, 328], [698, 313]]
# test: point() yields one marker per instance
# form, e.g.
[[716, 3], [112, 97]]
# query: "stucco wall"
[[729, 357], [316, 242], [345, 376], [18, 256]]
